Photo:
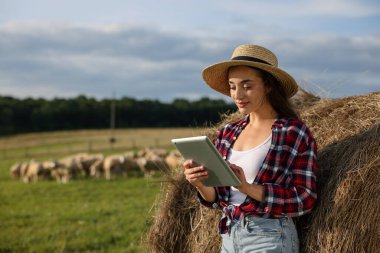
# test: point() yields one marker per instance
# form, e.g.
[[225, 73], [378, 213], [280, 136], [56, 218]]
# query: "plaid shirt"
[[288, 173]]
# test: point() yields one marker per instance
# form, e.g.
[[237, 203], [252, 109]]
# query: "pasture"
[[85, 215], [67, 142]]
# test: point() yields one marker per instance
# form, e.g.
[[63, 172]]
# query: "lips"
[[241, 104]]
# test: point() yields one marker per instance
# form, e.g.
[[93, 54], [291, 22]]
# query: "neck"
[[262, 116]]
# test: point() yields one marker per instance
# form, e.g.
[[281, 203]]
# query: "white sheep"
[[119, 165], [96, 169], [15, 170]]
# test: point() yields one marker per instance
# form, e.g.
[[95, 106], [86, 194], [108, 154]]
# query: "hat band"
[[249, 58]]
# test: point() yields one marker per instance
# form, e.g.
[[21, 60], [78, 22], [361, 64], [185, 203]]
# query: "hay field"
[[346, 216], [85, 215]]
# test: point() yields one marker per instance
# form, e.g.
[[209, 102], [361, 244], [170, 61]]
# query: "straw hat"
[[216, 75]]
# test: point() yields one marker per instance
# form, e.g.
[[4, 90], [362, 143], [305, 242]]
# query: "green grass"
[[85, 215]]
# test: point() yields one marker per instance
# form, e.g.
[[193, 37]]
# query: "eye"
[[246, 87], [232, 87]]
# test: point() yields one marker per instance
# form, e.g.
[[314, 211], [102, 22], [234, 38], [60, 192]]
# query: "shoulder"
[[294, 130], [291, 125]]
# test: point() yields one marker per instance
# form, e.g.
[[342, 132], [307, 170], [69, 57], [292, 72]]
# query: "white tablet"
[[201, 150]]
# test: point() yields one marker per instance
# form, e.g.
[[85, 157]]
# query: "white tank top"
[[250, 161]]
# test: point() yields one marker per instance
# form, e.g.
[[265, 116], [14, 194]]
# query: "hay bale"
[[348, 184], [331, 120], [346, 216], [171, 224], [304, 99]]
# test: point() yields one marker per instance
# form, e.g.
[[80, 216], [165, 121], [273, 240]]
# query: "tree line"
[[34, 115]]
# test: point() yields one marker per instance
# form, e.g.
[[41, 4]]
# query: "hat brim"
[[216, 76]]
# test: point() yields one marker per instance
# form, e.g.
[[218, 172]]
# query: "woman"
[[270, 150]]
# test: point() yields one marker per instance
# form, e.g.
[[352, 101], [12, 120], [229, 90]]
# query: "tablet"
[[201, 150]]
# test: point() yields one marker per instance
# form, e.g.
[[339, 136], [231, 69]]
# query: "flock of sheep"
[[146, 162]]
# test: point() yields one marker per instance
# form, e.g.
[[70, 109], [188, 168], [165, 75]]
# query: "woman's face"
[[247, 89]]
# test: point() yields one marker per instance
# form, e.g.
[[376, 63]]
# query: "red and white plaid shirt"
[[288, 173]]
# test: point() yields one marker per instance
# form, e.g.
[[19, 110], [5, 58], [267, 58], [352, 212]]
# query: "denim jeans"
[[256, 234]]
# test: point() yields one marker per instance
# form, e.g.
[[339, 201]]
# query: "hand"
[[194, 173], [243, 188]]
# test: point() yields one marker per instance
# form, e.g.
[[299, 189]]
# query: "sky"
[[157, 49]]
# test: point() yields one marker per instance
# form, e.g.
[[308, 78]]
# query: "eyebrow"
[[242, 82]]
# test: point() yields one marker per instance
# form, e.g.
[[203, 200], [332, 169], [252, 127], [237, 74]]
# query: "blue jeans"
[[256, 234]]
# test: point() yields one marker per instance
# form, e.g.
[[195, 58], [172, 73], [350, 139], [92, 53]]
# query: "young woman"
[[270, 150]]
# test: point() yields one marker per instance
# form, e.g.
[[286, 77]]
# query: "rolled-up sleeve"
[[206, 203]]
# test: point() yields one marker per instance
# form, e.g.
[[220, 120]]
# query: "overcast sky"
[[157, 49]]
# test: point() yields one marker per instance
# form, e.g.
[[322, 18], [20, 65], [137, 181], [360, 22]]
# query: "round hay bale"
[[346, 215], [331, 120]]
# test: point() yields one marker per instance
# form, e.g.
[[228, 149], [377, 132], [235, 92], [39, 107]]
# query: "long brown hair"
[[276, 96]]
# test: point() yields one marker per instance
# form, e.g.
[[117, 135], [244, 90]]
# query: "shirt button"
[[215, 205], [224, 157], [234, 138], [266, 209]]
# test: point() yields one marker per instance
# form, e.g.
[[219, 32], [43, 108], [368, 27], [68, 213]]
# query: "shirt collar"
[[278, 122]]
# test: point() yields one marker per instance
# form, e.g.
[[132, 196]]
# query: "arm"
[[195, 175]]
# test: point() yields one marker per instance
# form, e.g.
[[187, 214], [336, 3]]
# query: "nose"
[[238, 93]]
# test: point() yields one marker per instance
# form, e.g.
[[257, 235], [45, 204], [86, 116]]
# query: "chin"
[[244, 110]]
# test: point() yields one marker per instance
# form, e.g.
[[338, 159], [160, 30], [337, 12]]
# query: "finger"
[[234, 166], [237, 171], [197, 171], [198, 176], [187, 164], [194, 170]]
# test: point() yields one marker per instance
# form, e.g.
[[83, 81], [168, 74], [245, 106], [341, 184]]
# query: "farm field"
[[65, 142], [84, 215]]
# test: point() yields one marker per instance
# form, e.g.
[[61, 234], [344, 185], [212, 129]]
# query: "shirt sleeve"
[[206, 203], [299, 194]]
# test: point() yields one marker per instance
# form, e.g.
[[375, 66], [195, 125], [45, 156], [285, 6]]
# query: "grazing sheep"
[[33, 172], [113, 165], [96, 169], [119, 165], [152, 163], [152, 152], [86, 161], [23, 169], [131, 165], [66, 168], [61, 173], [15, 170]]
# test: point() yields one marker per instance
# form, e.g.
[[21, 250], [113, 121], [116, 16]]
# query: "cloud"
[[289, 8], [53, 60]]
